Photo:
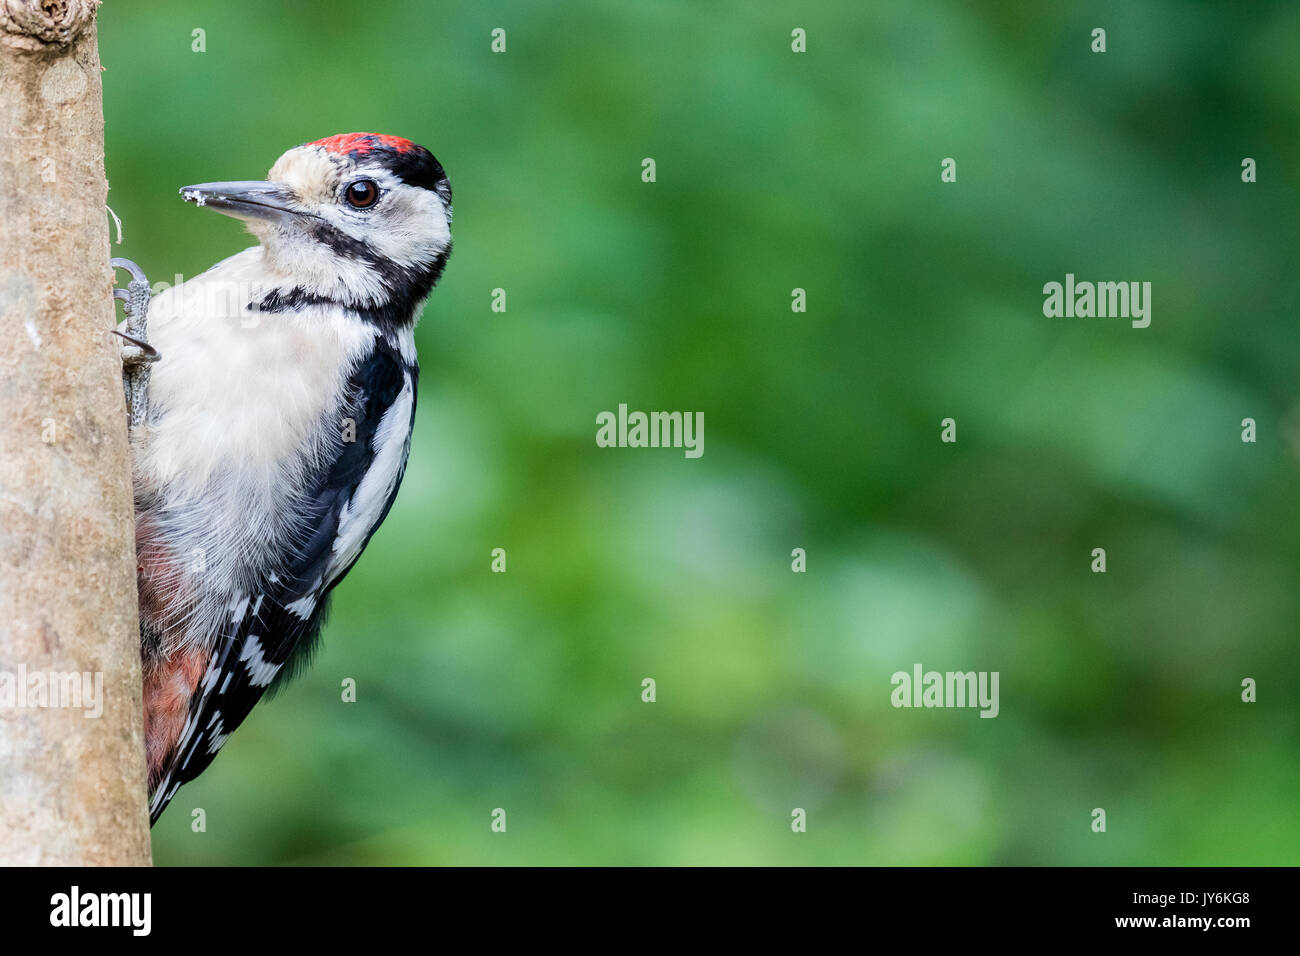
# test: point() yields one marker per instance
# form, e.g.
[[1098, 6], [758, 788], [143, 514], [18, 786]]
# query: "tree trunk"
[[72, 781]]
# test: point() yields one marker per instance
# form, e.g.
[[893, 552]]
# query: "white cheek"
[[307, 262], [415, 229]]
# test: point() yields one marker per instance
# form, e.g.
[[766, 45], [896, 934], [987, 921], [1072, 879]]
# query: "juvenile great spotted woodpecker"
[[270, 437]]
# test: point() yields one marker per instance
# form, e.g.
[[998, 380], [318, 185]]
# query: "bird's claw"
[[137, 354], [137, 274]]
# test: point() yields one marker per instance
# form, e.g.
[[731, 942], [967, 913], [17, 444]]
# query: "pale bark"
[[72, 787]]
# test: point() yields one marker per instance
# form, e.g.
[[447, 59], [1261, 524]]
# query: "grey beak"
[[253, 199]]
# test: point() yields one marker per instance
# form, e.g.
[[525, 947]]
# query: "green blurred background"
[[775, 171]]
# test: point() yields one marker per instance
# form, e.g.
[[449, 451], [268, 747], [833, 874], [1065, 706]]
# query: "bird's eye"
[[361, 194]]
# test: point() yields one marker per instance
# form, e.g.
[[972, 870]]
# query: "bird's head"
[[358, 218]]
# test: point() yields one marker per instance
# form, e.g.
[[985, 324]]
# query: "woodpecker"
[[276, 427]]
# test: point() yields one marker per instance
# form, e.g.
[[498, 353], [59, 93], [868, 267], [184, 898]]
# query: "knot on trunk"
[[35, 25]]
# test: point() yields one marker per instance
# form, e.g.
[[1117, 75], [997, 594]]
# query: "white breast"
[[239, 389]]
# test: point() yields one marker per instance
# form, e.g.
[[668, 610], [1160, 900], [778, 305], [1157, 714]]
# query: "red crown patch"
[[350, 144]]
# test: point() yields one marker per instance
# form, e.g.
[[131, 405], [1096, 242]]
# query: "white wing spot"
[[218, 741], [238, 608], [260, 671], [210, 677], [303, 607]]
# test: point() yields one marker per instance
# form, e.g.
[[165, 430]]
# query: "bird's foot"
[[137, 353]]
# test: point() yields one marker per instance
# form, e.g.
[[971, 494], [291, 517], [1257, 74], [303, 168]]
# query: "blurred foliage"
[[775, 171]]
